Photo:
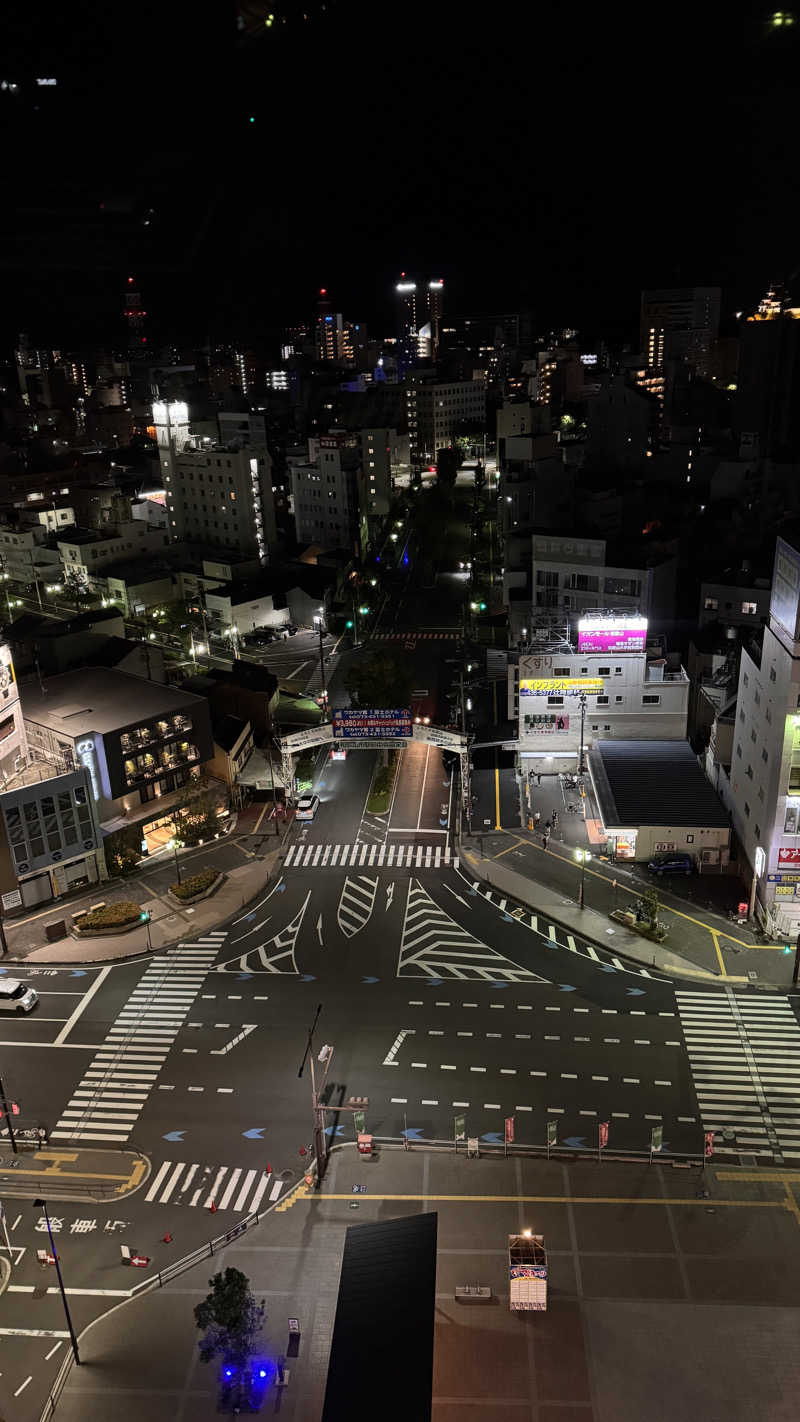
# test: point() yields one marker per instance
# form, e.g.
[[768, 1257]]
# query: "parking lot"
[[662, 1302]]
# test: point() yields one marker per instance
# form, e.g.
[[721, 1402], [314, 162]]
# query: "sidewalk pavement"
[[82, 1174], [697, 945], [650, 1312], [169, 924]]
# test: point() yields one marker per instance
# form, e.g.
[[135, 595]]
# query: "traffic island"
[[103, 919], [196, 887], [93, 1176]]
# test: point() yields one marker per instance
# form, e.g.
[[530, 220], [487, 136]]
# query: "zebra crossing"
[[112, 1092], [201, 1186], [433, 945], [416, 636], [744, 1053], [379, 856], [356, 903]]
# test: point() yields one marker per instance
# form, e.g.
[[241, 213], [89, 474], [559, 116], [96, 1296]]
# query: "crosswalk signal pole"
[[796, 971]]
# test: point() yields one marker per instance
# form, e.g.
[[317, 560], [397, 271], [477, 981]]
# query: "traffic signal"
[[482, 606], [13, 1110], [144, 916], [349, 624]]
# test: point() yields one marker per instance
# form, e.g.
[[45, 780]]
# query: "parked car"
[[16, 996], [307, 807], [671, 862]]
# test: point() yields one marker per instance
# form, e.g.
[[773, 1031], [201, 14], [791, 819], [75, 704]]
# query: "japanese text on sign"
[[376, 724]]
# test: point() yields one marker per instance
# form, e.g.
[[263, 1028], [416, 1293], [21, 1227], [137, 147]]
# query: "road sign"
[[359, 1122], [509, 1130], [355, 723], [301, 740], [602, 1135], [12, 900], [552, 1132], [139, 1261], [656, 1138], [435, 736], [460, 1127], [708, 1144]]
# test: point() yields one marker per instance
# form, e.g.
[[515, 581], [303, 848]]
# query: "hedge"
[[194, 884], [111, 916]]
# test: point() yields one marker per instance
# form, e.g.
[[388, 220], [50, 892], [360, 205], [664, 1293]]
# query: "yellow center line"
[[497, 799], [715, 938], [661, 1200]]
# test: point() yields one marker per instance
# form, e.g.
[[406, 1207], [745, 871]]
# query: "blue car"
[[671, 862]]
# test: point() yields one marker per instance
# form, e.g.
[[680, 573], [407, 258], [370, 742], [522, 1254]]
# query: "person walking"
[[537, 815], [555, 818], [544, 841]]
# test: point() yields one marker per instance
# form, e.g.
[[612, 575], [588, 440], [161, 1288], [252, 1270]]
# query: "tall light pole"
[[319, 1114], [42, 1205], [581, 761], [581, 856], [320, 621]]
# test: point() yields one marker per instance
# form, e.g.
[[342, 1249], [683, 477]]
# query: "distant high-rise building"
[[767, 405], [680, 323], [407, 329], [134, 316], [435, 306]]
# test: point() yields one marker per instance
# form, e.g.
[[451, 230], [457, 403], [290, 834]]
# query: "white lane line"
[[399, 1100], [492, 1106], [477, 1068], [23, 1386], [425, 1102], [447, 1067], [53, 1350], [459, 1103], [82, 1005], [419, 1064], [631, 1080]]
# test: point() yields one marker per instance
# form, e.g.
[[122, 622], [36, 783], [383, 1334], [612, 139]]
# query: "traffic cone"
[[268, 1169], [167, 1238], [213, 1207]]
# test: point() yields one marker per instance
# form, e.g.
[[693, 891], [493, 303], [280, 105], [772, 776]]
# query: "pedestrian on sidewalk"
[[555, 818], [544, 841], [537, 815], [538, 779]]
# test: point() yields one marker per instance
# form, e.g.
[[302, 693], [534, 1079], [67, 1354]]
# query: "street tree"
[[382, 679], [230, 1318], [76, 589]]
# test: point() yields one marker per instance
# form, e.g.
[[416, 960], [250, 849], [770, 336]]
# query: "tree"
[[380, 680], [193, 815], [75, 587], [230, 1318], [651, 906]]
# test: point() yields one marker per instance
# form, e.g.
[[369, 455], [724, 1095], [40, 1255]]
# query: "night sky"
[[556, 156]]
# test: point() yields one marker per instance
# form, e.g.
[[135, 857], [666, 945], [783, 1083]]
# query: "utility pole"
[[581, 764], [319, 1118], [322, 672], [42, 1205], [272, 778], [7, 1115]]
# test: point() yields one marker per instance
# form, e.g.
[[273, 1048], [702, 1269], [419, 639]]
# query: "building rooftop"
[[228, 730], [653, 783], [99, 699]]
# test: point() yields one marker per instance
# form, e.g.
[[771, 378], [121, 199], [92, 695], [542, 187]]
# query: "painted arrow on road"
[[334, 1130], [498, 983], [412, 1133], [256, 1133], [174, 1136], [575, 1142], [636, 992], [244, 977], [281, 888], [435, 982], [567, 987], [308, 978], [492, 1138], [606, 968], [78, 973], [370, 980]]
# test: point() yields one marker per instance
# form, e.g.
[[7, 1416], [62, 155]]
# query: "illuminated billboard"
[[626, 633], [560, 685]]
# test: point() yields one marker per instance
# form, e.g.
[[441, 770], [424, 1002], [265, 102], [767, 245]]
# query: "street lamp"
[[581, 856], [173, 845], [319, 1112], [759, 865], [42, 1205]]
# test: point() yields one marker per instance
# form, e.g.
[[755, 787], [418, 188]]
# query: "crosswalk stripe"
[[392, 856], [153, 1191], [261, 1190]]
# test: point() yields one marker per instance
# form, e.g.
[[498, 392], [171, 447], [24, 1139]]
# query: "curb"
[[688, 975]]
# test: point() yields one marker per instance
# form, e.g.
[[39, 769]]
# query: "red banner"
[[509, 1130], [789, 856], [602, 1134], [708, 1145]]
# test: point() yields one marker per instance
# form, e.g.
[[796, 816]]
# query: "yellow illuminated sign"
[[553, 685]]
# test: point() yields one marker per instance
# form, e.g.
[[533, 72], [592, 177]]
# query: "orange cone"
[[213, 1207], [167, 1238]]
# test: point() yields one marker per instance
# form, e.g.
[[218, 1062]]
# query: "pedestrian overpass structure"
[[373, 730]]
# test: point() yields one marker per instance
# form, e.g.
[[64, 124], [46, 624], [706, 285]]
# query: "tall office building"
[[767, 405], [680, 323], [407, 330]]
